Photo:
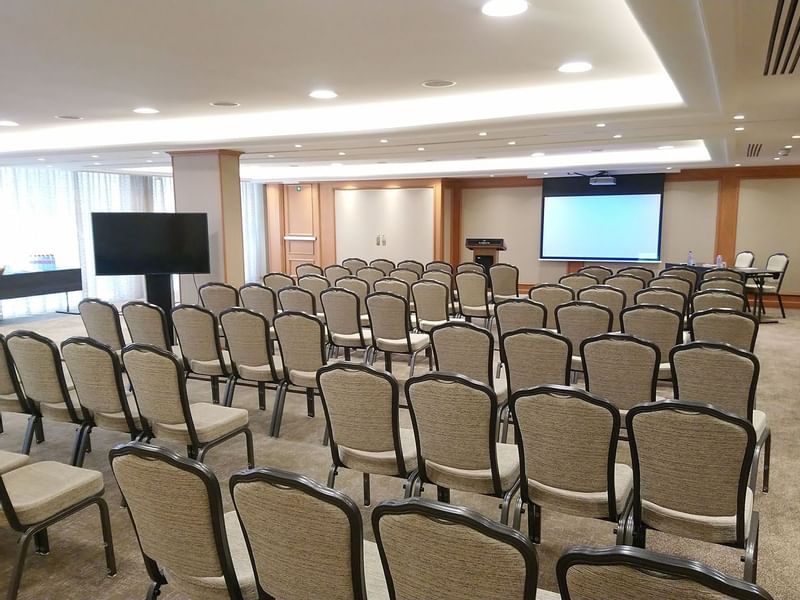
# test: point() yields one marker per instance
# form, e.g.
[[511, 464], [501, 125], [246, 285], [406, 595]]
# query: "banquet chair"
[[101, 321], [551, 295]]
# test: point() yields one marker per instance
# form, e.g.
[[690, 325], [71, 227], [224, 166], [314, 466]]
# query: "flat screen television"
[[150, 243], [610, 223]]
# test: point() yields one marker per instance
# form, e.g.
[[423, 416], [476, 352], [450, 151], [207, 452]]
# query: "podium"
[[484, 250]]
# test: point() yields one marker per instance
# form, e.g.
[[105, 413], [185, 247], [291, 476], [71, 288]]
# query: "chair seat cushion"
[[43, 489], [11, 460], [211, 421], [478, 311], [212, 368], [306, 379], [261, 372], [584, 504], [418, 342], [382, 463], [503, 297], [352, 340], [759, 423], [10, 403], [426, 326], [576, 364], [664, 371], [58, 411], [478, 481], [501, 389], [116, 421]]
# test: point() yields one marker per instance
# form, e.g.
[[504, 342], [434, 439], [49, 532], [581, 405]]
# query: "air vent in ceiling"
[[754, 150], [783, 51]]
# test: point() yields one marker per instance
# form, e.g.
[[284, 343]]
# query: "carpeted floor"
[[75, 567]]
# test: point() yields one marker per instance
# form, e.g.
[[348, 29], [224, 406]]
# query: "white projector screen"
[[623, 228]]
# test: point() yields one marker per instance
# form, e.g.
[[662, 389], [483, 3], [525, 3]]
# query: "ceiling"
[[665, 74]]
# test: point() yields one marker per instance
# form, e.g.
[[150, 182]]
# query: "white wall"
[[403, 216]]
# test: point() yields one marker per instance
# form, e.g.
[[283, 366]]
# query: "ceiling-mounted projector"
[[603, 180]]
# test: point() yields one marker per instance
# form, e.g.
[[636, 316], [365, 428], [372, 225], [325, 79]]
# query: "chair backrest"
[[722, 273], [297, 299], [612, 298], [440, 276], [505, 279], [535, 357], [302, 342], [577, 281], [715, 298], [724, 326], [343, 311], [434, 550], [464, 348], [334, 273], [41, 375], [157, 484], [383, 264], [431, 301], [654, 323], [621, 369], [307, 269], [96, 373], [407, 275], [472, 288], [744, 259], [9, 385], [392, 285], [316, 284], [598, 272], [455, 423], [247, 333], [359, 287], [362, 407], [689, 275], [354, 264], [439, 265], [628, 283], [304, 540], [567, 440], [666, 297], [628, 573], [389, 317], [198, 334], [519, 313], [370, 275], [101, 321], [277, 281], [551, 295], [216, 297], [716, 374], [470, 267], [642, 273], [147, 324], [580, 320], [678, 284], [259, 299], [731, 285], [778, 262], [412, 265], [679, 465]]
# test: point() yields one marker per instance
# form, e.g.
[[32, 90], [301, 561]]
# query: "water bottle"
[[690, 259], [719, 261]]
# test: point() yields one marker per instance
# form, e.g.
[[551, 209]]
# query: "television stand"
[[159, 292]]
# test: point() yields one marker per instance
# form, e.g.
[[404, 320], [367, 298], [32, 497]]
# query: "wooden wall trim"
[[727, 217], [275, 229], [493, 182], [438, 220], [455, 226]]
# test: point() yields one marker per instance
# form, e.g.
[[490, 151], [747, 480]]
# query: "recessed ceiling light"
[[666, 147], [270, 156], [298, 145], [420, 149], [504, 8], [69, 117], [323, 94], [796, 137], [384, 141], [491, 175], [777, 158], [617, 136], [669, 168], [9, 124], [148, 161], [482, 133], [512, 143], [788, 146], [538, 154], [599, 124], [40, 159], [738, 128], [545, 173], [438, 83], [155, 153], [97, 164], [738, 165], [224, 104], [94, 156], [738, 117], [575, 67], [146, 110], [342, 153]]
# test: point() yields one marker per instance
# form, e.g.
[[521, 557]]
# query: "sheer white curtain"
[[254, 231]]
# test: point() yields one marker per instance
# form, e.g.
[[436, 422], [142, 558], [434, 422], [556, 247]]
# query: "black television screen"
[[150, 243]]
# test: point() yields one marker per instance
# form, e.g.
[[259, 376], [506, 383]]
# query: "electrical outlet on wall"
[[383, 240], [378, 240]]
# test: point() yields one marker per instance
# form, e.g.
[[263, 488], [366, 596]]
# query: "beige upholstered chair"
[[612, 298], [657, 324], [779, 263], [392, 285], [578, 281], [306, 540], [724, 326], [343, 316], [642, 273], [383, 264], [598, 272], [361, 289], [217, 297], [735, 286], [201, 351], [668, 298], [302, 344], [187, 542], [520, 313], [627, 573], [551, 295], [147, 324], [390, 322], [370, 275], [334, 273], [412, 265], [250, 346], [446, 279], [96, 373], [307, 269], [535, 357], [722, 273], [431, 550], [689, 275], [406, 275], [38, 495], [43, 385], [744, 259], [11, 397], [101, 321], [505, 281], [11, 460], [260, 299], [567, 440], [628, 283], [297, 299], [362, 407], [439, 265], [432, 304], [684, 484], [354, 264], [675, 283], [159, 386], [455, 424], [715, 298], [277, 281], [580, 320], [470, 267], [316, 284], [473, 294], [727, 378]]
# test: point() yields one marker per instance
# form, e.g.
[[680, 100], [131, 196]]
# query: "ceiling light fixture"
[[599, 124], [97, 164], [155, 153], [9, 124], [617, 136], [796, 137], [788, 146], [438, 83], [738, 165], [270, 156], [94, 156], [224, 104], [504, 8], [738, 117], [420, 149], [777, 158], [666, 147], [342, 153], [148, 161], [323, 94], [482, 133], [545, 173], [512, 143], [298, 145], [69, 117], [575, 67], [146, 110], [738, 128], [384, 141], [669, 168]]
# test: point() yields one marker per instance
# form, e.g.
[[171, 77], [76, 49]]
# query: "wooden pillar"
[[455, 226], [274, 212], [727, 216]]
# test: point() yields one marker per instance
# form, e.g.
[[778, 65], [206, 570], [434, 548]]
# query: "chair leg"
[[429, 354], [347, 354], [27, 439], [506, 417], [262, 396], [154, 591], [310, 401], [443, 494], [332, 476], [230, 389], [41, 542], [79, 446], [535, 522], [38, 428], [497, 371], [248, 440], [780, 303], [16, 574], [366, 490], [387, 361], [108, 540], [1, 424], [277, 410], [751, 550], [215, 390], [412, 364], [767, 452], [410, 484], [192, 452]]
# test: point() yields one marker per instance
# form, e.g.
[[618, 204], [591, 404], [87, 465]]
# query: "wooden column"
[[727, 216], [274, 212], [455, 226]]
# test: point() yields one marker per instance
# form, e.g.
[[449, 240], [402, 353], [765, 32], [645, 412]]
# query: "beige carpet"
[[75, 567]]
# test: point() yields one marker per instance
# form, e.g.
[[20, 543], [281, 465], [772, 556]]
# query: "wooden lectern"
[[484, 250]]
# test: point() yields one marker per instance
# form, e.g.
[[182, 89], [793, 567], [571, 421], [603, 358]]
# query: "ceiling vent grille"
[[754, 150], [783, 51]]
